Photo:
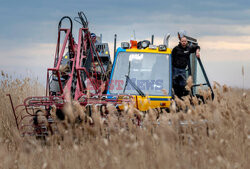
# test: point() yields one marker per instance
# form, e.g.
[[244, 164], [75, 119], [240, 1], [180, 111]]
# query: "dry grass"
[[221, 142]]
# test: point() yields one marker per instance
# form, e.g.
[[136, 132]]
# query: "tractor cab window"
[[144, 70]]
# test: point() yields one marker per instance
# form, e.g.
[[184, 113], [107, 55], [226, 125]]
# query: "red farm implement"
[[79, 74]]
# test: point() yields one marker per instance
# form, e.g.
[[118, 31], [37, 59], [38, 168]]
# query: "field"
[[219, 136]]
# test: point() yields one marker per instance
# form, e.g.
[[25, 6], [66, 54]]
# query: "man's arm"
[[195, 49]]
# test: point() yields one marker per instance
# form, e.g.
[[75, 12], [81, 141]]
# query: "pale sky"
[[28, 31]]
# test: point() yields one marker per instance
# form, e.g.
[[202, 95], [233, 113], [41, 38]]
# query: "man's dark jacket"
[[180, 55]]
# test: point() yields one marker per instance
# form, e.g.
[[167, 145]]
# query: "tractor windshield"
[[150, 72]]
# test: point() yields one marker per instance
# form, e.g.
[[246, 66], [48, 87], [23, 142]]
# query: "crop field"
[[212, 135]]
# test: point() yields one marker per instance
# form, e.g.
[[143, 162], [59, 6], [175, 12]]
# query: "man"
[[180, 60]]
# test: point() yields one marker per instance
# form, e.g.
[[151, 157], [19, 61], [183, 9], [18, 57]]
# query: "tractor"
[[82, 72]]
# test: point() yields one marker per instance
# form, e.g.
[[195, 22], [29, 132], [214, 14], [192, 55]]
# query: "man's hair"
[[183, 37]]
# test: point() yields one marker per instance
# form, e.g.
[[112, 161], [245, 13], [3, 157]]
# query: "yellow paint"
[[66, 57], [145, 103], [147, 50]]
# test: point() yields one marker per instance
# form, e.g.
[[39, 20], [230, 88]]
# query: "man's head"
[[183, 41]]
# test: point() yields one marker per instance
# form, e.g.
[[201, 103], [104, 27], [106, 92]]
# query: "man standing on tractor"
[[180, 61]]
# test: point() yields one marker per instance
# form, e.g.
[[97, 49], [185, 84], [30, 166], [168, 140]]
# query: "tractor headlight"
[[145, 44], [125, 45], [162, 47]]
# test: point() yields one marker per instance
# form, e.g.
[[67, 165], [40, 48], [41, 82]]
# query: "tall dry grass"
[[214, 135]]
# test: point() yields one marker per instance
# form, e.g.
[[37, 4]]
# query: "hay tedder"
[[83, 72]]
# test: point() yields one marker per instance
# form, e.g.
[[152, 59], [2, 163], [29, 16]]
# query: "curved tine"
[[24, 117], [103, 112], [21, 117], [76, 19], [29, 112], [82, 13], [83, 19], [26, 106], [19, 113], [19, 106]]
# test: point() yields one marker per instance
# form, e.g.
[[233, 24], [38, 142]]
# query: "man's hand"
[[198, 53]]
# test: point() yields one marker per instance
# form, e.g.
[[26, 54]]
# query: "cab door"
[[197, 71]]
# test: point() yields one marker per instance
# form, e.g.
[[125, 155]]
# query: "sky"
[[28, 31]]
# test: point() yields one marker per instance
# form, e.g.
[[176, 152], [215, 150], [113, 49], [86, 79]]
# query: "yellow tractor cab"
[[144, 71]]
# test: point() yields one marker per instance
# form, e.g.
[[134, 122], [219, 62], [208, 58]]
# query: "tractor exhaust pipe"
[[166, 40], [152, 39]]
